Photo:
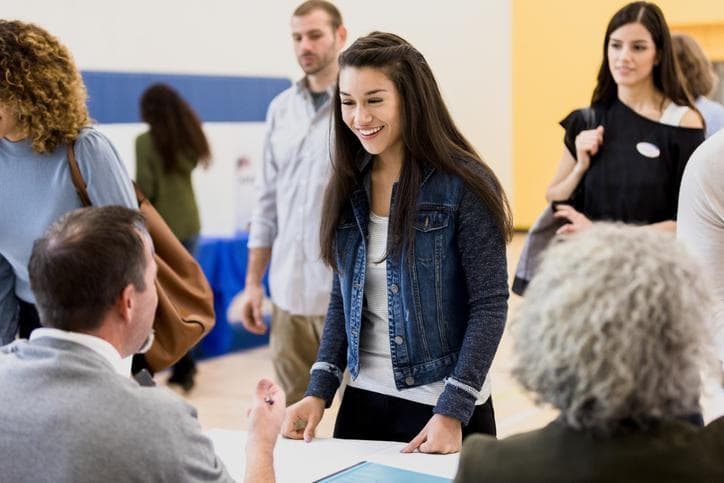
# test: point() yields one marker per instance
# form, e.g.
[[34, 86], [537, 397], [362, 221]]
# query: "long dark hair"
[[175, 128], [667, 77], [430, 139]]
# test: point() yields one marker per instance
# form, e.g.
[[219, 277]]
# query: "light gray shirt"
[[290, 188], [68, 416], [700, 219], [713, 113], [104, 348]]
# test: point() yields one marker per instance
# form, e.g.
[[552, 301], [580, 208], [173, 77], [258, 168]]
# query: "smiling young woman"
[[414, 225], [625, 155]]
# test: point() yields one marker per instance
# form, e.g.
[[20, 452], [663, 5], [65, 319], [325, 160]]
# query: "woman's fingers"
[[416, 441], [312, 423]]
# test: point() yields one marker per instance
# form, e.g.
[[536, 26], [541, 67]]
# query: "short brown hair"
[[310, 6], [83, 263], [695, 66], [41, 85]]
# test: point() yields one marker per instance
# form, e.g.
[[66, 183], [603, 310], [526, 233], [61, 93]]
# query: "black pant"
[[28, 319], [370, 415]]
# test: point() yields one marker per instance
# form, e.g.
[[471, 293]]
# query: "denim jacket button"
[[398, 340], [394, 288], [409, 381]]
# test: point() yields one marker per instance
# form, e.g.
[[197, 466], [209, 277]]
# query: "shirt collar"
[[96, 344], [303, 87]]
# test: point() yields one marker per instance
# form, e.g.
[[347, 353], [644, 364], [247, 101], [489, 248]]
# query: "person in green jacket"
[[614, 333], [165, 157]]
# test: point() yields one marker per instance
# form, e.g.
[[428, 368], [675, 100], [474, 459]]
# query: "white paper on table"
[[296, 461]]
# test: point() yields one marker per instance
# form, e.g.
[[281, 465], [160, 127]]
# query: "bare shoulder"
[[692, 119]]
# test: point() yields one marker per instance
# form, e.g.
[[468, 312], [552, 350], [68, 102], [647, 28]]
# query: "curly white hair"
[[613, 328]]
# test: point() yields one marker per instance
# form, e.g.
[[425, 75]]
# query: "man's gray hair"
[[614, 328]]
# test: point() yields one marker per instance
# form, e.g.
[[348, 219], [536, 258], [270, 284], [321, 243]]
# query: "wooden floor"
[[224, 384]]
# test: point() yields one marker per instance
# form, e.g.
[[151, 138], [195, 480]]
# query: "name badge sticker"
[[647, 149]]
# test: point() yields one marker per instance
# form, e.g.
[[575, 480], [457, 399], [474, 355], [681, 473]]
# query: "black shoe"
[[184, 379]]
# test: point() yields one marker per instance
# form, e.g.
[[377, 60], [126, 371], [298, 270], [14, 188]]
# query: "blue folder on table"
[[368, 472]]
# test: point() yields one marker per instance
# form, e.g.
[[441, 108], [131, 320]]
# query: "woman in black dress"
[[624, 155]]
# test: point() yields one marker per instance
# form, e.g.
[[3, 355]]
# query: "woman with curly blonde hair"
[[42, 112], [613, 333]]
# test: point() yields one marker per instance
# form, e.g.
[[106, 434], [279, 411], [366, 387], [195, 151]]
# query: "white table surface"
[[297, 461]]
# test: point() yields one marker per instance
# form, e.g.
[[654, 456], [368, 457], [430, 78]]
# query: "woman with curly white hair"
[[612, 334]]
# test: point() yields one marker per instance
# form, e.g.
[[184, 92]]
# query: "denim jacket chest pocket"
[[432, 233], [434, 274]]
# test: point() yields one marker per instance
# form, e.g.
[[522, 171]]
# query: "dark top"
[[319, 98], [635, 176], [672, 451]]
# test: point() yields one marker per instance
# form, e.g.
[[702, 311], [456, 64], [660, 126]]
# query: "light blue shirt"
[[35, 190], [289, 193], [713, 113]]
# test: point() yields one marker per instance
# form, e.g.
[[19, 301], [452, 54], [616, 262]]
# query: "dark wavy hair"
[[175, 128], [667, 77], [429, 136]]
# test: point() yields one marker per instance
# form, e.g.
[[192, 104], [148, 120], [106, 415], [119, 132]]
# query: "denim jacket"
[[447, 303]]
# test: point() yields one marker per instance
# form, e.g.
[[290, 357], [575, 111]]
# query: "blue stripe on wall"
[[113, 97]]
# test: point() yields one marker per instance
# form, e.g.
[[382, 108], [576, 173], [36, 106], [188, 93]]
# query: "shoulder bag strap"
[[75, 174]]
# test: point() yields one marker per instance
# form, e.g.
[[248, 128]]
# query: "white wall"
[[467, 43]]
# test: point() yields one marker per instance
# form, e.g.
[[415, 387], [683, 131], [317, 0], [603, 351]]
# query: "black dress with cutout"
[[635, 176]]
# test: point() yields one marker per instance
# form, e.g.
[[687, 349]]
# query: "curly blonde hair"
[[41, 85], [614, 328]]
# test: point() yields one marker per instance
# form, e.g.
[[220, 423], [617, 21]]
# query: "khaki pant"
[[294, 343]]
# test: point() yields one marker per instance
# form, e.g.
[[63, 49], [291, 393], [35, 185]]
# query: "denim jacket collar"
[[364, 166]]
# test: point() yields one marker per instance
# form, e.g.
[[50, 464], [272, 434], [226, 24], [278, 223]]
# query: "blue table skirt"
[[224, 261]]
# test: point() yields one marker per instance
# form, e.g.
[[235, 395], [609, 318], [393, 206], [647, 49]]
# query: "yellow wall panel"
[[557, 49]]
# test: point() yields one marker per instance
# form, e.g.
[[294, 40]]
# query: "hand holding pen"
[[267, 412]]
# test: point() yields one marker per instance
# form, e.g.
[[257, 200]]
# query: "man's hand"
[[246, 306], [302, 418], [442, 434], [265, 421], [267, 413]]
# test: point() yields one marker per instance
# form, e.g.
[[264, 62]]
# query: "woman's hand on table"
[[441, 435]]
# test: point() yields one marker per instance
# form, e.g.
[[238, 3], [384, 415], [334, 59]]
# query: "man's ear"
[[342, 34], [124, 302]]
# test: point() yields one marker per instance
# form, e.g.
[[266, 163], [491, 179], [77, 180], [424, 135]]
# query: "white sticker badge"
[[647, 149]]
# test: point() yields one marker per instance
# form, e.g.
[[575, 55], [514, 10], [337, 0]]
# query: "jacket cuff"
[[323, 383], [455, 402]]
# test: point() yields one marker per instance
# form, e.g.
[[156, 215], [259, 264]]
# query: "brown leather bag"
[[185, 311]]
